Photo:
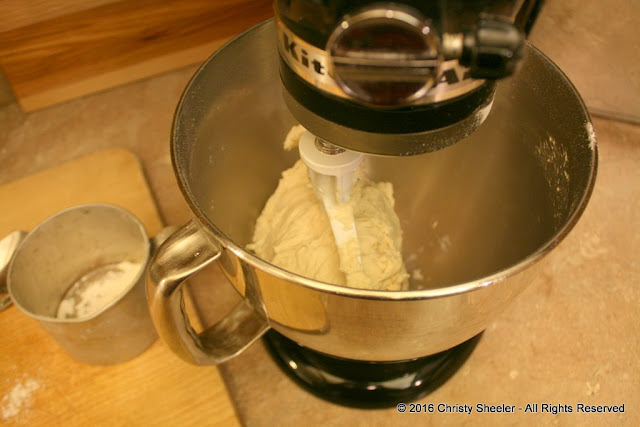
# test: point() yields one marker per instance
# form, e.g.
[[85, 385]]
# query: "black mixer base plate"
[[366, 384]]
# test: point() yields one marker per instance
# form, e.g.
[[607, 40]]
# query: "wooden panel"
[[20, 13], [87, 51], [155, 388]]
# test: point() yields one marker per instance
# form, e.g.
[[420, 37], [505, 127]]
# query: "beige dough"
[[294, 233]]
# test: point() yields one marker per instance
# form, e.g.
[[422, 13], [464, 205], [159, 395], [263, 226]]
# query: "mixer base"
[[366, 384]]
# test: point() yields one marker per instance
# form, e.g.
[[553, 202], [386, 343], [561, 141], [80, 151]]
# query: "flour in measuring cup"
[[97, 289]]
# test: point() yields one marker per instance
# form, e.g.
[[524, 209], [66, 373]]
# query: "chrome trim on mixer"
[[313, 65], [327, 147]]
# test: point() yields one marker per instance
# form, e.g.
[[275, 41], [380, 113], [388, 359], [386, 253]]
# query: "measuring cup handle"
[[8, 246], [185, 252]]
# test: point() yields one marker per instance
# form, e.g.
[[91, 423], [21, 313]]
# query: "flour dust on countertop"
[[18, 398]]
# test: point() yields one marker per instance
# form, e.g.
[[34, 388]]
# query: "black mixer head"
[[398, 78]]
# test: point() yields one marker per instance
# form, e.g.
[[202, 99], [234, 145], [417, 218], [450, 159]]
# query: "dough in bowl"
[[293, 232]]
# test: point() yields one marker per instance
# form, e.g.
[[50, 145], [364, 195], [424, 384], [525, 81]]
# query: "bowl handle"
[[184, 253]]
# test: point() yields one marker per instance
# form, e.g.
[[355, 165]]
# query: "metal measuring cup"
[[63, 249]]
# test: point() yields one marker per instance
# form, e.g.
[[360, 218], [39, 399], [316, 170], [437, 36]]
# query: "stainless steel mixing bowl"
[[477, 216]]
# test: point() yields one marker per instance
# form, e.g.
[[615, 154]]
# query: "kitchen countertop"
[[572, 337]]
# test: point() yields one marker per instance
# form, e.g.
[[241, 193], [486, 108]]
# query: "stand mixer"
[[388, 82], [383, 78]]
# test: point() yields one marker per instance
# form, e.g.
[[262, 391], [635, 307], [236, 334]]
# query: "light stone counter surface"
[[572, 337]]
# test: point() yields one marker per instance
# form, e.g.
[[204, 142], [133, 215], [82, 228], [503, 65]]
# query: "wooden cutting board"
[[39, 383]]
